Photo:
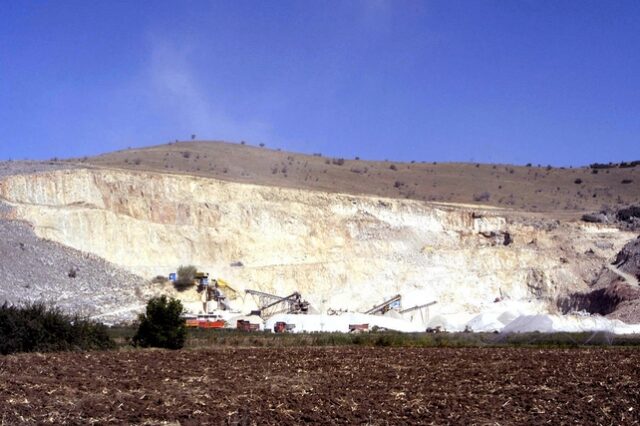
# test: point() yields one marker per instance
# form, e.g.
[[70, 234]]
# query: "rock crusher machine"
[[209, 291]]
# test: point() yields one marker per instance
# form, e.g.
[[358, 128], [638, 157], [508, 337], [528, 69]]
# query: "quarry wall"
[[340, 251]]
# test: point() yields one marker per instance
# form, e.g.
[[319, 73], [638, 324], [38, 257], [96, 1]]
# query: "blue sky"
[[550, 82]]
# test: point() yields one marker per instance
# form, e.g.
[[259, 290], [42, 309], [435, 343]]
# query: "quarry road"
[[627, 277]]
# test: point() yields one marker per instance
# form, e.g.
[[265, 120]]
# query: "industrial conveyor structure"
[[385, 306], [414, 313], [426, 305], [271, 304], [420, 312]]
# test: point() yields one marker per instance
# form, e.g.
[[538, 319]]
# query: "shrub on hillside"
[[186, 277], [484, 196], [159, 279], [162, 325], [38, 327], [629, 214], [602, 166]]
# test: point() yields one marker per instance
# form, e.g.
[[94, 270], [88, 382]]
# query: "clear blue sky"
[[491, 81]]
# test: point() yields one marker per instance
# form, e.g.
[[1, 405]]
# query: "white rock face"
[[340, 251]]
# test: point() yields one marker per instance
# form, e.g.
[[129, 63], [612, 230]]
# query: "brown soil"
[[514, 187], [323, 386]]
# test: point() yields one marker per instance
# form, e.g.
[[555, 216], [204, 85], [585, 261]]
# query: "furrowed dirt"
[[323, 385]]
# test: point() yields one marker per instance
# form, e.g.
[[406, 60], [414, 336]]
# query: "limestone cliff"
[[340, 251]]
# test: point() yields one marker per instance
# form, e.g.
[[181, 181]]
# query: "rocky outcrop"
[[627, 218], [628, 259], [341, 251], [615, 292]]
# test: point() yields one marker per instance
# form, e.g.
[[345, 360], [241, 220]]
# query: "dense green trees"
[[38, 327], [162, 325]]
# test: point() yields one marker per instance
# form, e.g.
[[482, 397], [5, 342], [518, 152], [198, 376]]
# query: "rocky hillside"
[[34, 268], [615, 291], [341, 251], [628, 260]]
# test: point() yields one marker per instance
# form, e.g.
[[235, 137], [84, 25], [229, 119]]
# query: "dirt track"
[[323, 385]]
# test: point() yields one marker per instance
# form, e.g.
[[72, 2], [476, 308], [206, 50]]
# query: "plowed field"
[[351, 385]]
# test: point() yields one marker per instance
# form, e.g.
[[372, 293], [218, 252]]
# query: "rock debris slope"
[[35, 269], [615, 291]]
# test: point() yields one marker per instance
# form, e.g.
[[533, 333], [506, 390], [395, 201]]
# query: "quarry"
[[364, 212], [478, 266]]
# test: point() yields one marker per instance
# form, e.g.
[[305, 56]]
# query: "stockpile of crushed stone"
[[546, 323], [33, 269]]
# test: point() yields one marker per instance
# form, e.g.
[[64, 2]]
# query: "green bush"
[[186, 277], [37, 327], [162, 326]]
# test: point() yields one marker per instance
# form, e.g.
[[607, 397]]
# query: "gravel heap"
[[34, 269]]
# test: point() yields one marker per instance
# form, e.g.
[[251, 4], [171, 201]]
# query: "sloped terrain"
[[534, 188], [13, 168], [615, 292], [36, 269]]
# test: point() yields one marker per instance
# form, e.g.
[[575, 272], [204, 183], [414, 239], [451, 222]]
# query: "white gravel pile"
[[546, 323]]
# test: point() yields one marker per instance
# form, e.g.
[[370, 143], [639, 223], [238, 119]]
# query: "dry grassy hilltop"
[[536, 188]]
